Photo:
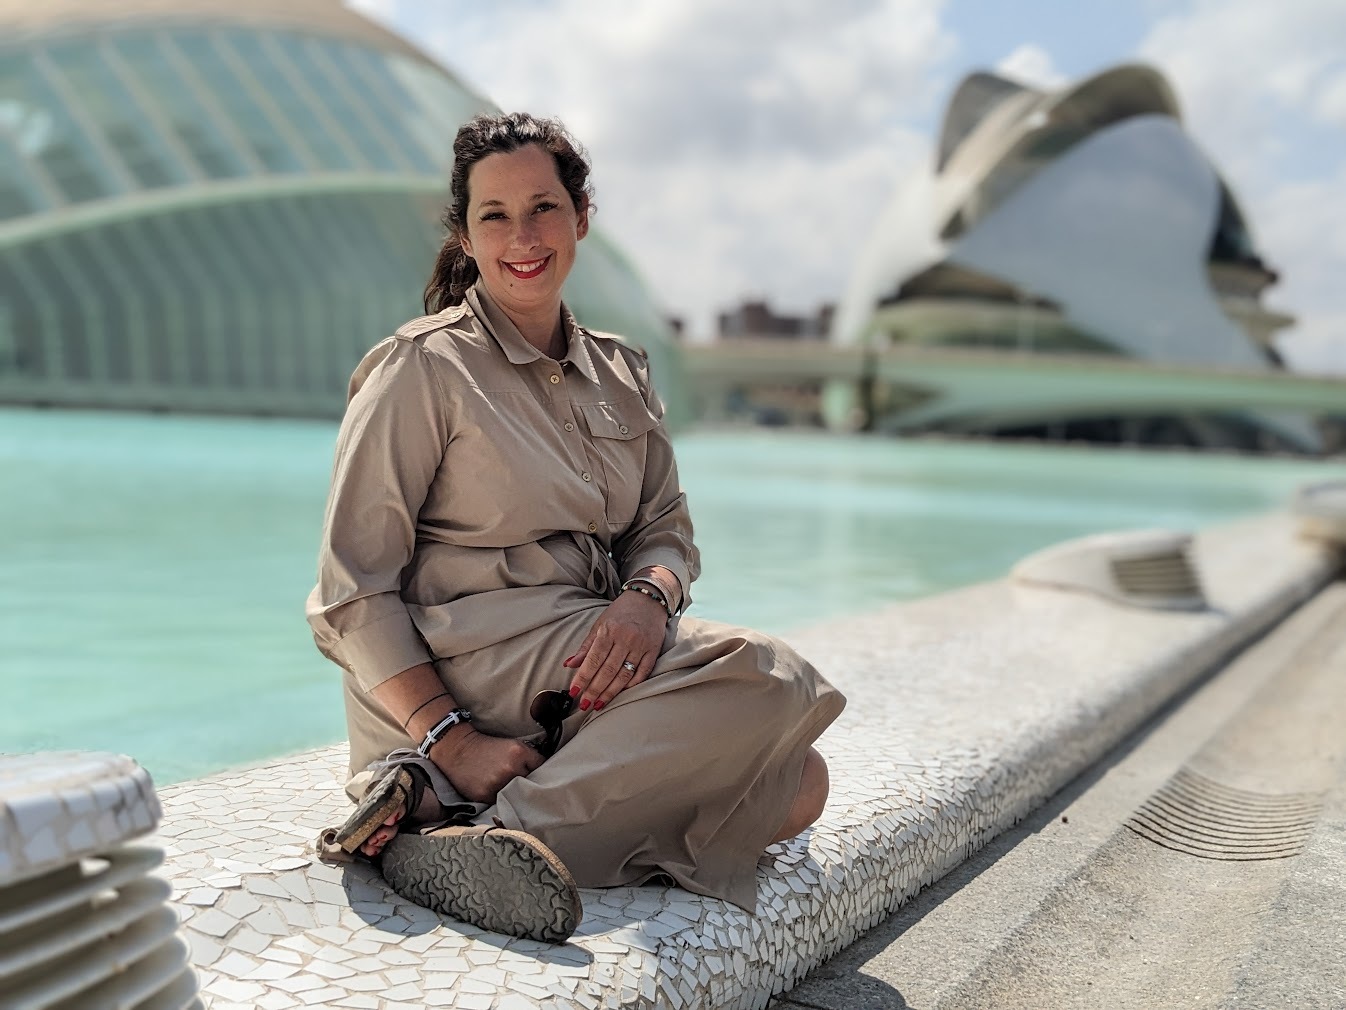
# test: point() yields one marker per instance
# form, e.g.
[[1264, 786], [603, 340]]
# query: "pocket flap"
[[624, 420]]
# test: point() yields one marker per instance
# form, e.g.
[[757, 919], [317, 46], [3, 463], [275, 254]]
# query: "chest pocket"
[[618, 431]]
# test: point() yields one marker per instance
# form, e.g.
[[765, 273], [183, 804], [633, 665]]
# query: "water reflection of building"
[[220, 204], [1080, 221]]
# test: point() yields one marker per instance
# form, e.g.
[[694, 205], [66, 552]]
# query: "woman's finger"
[[578, 658], [622, 679], [583, 686]]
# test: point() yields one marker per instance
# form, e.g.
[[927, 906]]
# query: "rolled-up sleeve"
[[661, 533], [388, 451]]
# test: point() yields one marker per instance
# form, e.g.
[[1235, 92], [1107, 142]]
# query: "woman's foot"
[[382, 835]]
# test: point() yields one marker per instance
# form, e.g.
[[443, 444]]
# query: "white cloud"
[[738, 147], [1257, 80], [1032, 65]]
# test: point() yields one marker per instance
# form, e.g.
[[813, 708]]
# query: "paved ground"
[[1074, 909]]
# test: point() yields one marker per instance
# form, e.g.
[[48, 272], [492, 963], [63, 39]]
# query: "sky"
[[746, 148]]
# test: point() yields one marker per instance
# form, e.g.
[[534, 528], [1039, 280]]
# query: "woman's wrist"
[[667, 583], [652, 591], [447, 750]]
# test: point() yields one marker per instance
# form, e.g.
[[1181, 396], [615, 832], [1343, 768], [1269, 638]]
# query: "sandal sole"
[[502, 880], [383, 800]]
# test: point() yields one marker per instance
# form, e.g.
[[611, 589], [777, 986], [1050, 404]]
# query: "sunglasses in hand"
[[548, 710]]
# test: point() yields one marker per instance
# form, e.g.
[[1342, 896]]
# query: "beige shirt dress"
[[487, 502]]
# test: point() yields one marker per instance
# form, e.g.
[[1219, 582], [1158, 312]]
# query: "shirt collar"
[[517, 348]]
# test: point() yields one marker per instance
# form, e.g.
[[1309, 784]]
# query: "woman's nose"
[[525, 235]]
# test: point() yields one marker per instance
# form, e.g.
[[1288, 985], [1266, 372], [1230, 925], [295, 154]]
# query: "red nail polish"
[[598, 705], [574, 692], [584, 705]]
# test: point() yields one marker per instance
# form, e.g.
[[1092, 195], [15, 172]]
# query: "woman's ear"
[[465, 244], [582, 225]]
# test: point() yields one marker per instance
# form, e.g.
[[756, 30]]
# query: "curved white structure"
[[1079, 221], [220, 205]]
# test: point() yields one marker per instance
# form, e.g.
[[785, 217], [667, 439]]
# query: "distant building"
[[1078, 221], [757, 319], [222, 204]]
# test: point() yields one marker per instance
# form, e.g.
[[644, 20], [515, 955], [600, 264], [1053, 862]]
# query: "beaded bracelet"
[[657, 597]]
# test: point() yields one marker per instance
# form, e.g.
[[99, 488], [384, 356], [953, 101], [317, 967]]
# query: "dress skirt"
[[691, 773]]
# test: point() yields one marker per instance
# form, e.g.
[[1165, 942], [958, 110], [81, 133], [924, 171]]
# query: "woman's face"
[[521, 229]]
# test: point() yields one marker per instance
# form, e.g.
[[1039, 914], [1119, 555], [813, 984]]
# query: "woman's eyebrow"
[[535, 196]]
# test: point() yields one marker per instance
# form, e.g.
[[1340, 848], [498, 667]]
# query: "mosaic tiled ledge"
[[966, 711]]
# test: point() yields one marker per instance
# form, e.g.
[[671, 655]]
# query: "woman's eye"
[[493, 215], [544, 206]]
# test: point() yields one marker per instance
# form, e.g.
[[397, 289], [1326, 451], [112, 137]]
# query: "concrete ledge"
[[966, 711]]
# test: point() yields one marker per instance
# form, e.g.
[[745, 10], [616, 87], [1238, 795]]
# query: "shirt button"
[[553, 379], [586, 476], [624, 429], [593, 527], [570, 426]]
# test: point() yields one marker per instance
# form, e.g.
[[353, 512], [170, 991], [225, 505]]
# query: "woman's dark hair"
[[455, 271]]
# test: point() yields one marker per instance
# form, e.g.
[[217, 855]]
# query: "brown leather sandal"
[[490, 876], [400, 789]]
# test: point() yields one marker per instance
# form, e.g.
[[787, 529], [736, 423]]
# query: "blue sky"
[[746, 147]]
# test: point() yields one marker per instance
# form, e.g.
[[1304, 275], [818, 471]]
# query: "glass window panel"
[[162, 312], [246, 115], [343, 107], [349, 289], [210, 243], [21, 308], [443, 105], [301, 119], [299, 253], [128, 359], [104, 304], [179, 105], [262, 319], [114, 110], [42, 128], [200, 337], [390, 101], [283, 318], [71, 338], [185, 347], [19, 193]]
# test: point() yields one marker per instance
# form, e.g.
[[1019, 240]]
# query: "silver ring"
[[628, 665]]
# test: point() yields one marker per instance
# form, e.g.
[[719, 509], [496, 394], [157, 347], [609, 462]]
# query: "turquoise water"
[[153, 569]]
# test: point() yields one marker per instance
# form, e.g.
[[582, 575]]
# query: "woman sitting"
[[506, 550]]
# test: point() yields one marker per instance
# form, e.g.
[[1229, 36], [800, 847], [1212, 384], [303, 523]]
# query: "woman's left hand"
[[630, 630]]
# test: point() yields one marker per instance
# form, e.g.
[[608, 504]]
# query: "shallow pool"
[[153, 569]]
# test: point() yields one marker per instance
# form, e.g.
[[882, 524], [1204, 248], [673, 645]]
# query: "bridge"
[[915, 387]]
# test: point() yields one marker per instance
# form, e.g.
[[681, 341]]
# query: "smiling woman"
[[506, 522]]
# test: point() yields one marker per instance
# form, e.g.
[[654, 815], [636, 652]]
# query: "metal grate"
[[1201, 817], [1168, 575]]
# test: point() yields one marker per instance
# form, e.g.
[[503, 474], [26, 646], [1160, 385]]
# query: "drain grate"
[[1201, 817]]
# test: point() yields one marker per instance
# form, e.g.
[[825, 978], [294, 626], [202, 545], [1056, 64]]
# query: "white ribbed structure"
[[83, 925]]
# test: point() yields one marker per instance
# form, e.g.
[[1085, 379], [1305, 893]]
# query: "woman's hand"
[[630, 630], [479, 766]]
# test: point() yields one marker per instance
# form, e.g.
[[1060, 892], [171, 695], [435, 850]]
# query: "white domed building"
[[1083, 221], [219, 205]]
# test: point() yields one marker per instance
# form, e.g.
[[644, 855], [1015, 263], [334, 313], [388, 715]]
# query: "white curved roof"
[[329, 17]]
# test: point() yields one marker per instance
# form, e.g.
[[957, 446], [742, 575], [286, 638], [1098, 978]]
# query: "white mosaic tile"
[[955, 730]]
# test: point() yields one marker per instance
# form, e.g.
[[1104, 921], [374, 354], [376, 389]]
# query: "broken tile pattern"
[[59, 806], [66, 870], [966, 711]]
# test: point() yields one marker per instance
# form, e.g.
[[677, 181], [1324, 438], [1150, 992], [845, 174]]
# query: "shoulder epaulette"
[[624, 341], [428, 324]]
